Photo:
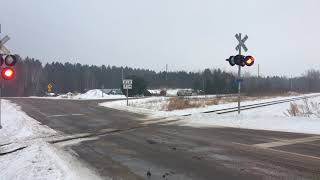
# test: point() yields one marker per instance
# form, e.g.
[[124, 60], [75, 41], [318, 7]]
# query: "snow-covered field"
[[155, 105], [39, 159], [264, 118]]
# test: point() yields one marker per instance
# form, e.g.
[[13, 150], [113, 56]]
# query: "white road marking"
[[63, 115], [75, 141], [107, 130], [296, 154], [287, 142], [277, 150], [77, 114]]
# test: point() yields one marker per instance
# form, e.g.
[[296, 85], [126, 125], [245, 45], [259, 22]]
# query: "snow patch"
[[39, 160], [16, 125]]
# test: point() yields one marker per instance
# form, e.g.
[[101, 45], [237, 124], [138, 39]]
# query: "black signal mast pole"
[[239, 80]]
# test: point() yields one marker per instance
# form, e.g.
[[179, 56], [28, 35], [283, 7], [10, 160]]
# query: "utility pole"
[[291, 85], [258, 80], [166, 72], [122, 73], [166, 79]]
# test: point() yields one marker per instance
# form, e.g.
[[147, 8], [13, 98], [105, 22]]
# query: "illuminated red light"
[[7, 73], [249, 60]]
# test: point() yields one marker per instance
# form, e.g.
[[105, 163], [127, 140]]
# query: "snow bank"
[[38, 160], [97, 94], [91, 94], [16, 125], [151, 106], [34, 162]]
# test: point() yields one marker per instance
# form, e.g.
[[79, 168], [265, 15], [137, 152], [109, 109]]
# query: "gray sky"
[[284, 35]]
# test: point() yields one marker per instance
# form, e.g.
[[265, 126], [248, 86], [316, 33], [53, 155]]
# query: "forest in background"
[[32, 78]]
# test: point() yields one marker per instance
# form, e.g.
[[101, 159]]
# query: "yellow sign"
[[50, 88]]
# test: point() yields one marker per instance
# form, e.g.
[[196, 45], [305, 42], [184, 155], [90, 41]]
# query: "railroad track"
[[256, 105]]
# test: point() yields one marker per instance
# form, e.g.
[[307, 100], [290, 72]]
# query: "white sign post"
[[127, 84]]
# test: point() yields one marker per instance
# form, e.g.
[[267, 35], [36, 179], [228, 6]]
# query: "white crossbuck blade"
[[241, 42], [2, 47]]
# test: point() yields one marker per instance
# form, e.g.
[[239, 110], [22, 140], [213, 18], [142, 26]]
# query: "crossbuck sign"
[[241, 42], [2, 47]]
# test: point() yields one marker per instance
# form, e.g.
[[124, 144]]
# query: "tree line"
[[32, 78]]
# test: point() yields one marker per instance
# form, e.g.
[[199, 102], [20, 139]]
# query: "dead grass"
[[273, 94], [176, 103], [307, 109], [294, 110]]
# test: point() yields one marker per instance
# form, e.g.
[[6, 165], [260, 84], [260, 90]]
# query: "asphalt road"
[[126, 147]]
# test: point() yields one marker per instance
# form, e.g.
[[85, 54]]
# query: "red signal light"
[[249, 60], [7, 73]]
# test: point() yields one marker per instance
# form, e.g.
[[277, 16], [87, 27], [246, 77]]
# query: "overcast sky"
[[284, 35]]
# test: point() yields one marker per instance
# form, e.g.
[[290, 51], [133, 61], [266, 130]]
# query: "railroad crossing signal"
[[9, 60], [6, 58], [241, 61]]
